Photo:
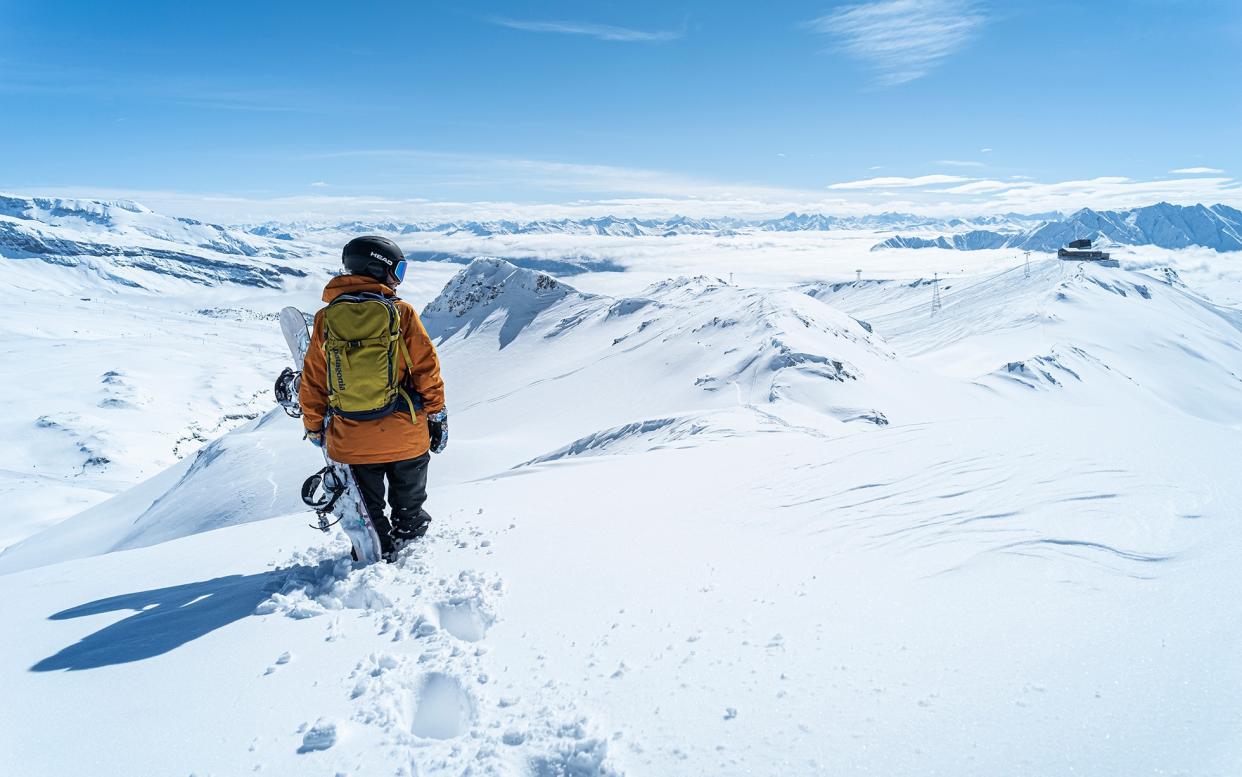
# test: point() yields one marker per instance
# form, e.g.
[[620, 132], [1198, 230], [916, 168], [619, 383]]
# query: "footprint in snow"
[[281, 660], [464, 619], [320, 736], [443, 708]]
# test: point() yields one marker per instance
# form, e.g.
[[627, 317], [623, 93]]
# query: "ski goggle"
[[398, 272]]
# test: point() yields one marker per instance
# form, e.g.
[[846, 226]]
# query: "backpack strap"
[[409, 371]]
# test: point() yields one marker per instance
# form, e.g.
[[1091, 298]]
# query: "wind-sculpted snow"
[[692, 528], [245, 476], [656, 434], [1043, 371], [608, 439], [699, 342]]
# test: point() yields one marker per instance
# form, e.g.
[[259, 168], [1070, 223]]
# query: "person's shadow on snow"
[[167, 618]]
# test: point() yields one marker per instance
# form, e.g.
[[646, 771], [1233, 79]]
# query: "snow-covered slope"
[[703, 346], [1090, 331], [112, 384], [132, 339], [127, 244], [696, 527], [675, 350]]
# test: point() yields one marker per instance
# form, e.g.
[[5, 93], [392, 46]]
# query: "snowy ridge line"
[[600, 441], [955, 289], [662, 433], [771, 341]]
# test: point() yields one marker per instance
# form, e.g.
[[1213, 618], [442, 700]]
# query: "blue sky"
[[699, 107]]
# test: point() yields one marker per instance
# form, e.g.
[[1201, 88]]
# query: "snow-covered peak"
[[684, 285], [490, 286]]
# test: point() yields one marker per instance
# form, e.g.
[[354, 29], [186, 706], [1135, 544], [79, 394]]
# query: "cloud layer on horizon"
[[644, 198]]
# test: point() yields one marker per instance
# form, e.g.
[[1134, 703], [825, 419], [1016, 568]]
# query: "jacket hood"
[[352, 284]]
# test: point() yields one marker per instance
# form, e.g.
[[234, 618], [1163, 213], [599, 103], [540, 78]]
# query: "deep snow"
[[788, 526]]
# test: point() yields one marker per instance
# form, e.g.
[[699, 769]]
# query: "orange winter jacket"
[[394, 437]]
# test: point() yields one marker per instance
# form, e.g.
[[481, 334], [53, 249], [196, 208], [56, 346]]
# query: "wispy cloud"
[[599, 31], [473, 173], [1102, 192], [899, 182], [1197, 171], [957, 163], [902, 40], [979, 187], [156, 87]]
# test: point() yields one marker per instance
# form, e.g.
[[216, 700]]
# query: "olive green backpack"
[[362, 336]]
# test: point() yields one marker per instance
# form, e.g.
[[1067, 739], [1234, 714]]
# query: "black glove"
[[437, 427]]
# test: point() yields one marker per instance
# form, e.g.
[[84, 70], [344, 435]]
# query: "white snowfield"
[[794, 525]]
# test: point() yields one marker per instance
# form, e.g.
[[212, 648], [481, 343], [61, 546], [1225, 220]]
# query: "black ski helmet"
[[375, 256]]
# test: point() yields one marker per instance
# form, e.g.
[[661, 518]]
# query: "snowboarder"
[[382, 412]]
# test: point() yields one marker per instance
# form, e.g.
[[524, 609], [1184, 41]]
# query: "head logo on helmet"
[[376, 257]]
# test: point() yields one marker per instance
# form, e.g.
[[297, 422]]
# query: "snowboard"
[[347, 506]]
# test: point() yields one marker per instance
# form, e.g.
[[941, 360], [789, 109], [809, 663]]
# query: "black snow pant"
[[407, 490]]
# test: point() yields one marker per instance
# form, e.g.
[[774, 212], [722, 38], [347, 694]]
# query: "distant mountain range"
[[1162, 225], [134, 246], [633, 227]]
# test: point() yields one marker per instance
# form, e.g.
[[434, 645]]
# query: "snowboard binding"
[[286, 389], [320, 492]]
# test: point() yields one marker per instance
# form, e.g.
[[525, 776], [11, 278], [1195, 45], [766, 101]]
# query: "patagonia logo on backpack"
[[362, 340]]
